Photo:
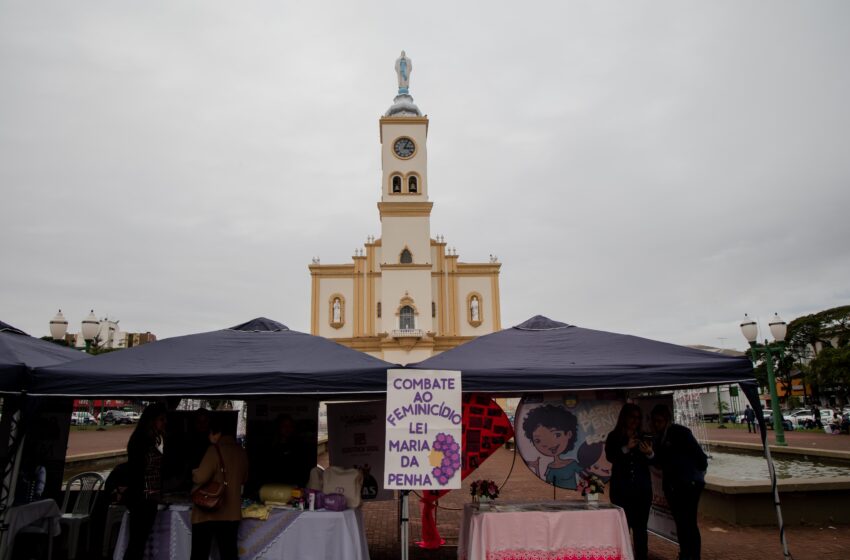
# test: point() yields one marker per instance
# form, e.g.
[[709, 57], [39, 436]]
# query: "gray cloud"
[[651, 168]]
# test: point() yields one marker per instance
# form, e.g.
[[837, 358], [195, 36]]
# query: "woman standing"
[[225, 462], [144, 459], [631, 486]]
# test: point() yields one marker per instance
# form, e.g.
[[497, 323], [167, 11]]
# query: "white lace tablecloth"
[[18, 517], [313, 535], [544, 531]]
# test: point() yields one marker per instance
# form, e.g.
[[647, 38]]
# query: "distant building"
[[111, 337], [137, 339]]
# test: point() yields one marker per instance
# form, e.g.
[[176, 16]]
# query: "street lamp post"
[[89, 328], [778, 328]]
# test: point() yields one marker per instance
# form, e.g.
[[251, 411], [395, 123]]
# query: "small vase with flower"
[[483, 492]]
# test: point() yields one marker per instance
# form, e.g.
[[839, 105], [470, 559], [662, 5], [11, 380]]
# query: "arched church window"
[[412, 184], [396, 184], [406, 257], [405, 320], [379, 310], [433, 309]]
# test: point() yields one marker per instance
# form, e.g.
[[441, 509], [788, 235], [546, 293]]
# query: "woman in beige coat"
[[223, 523]]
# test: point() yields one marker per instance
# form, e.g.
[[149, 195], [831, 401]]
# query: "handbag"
[[335, 502], [210, 495]]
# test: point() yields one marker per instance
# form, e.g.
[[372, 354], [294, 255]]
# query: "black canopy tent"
[[263, 357], [19, 354], [257, 358], [545, 355]]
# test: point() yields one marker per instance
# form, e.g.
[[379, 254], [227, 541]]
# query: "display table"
[[544, 531], [45, 513], [307, 535]]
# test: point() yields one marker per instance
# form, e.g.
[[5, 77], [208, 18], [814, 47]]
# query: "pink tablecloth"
[[546, 531]]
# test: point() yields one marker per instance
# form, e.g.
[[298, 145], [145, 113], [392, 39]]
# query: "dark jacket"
[[680, 457], [629, 471], [145, 470]]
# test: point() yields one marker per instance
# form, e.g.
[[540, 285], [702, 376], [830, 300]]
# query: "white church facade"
[[405, 296]]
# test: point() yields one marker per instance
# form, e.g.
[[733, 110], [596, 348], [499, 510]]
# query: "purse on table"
[[335, 502], [209, 496]]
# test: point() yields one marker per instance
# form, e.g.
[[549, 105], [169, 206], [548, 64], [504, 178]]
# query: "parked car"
[[800, 417], [133, 416], [82, 418], [117, 417], [787, 424]]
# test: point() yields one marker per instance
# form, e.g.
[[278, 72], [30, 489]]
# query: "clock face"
[[404, 147]]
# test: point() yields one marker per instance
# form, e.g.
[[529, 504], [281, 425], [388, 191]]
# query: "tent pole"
[[751, 392], [10, 477], [405, 516], [773, 484]]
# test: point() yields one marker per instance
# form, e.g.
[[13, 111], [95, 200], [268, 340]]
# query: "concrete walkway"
[[805, 439]]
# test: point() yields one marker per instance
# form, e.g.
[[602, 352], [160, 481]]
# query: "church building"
[[405, 296]]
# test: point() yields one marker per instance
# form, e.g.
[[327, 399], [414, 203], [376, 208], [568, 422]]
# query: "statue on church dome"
[[403, 68]]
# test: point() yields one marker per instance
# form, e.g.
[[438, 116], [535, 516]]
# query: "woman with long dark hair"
[[629, 452], [144, 459]]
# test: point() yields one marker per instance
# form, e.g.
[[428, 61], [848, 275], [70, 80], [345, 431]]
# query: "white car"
[[800, 416], [82, 418]]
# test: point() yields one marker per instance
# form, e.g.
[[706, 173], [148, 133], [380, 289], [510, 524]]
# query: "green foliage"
[[812, 336], [807, 332], [832, 366]]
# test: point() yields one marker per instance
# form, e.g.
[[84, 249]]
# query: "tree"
[[812, 335], [832, 368]]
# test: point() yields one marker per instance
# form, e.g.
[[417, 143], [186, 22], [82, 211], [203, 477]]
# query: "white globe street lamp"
[[778, 328], [58, 326]]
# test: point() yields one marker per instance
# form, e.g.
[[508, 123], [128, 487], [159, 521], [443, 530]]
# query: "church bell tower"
[[405, 296]]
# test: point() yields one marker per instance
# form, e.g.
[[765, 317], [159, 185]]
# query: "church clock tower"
[[406, 296]]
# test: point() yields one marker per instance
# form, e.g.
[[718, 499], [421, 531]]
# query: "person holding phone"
[[629, 451], [683, 464]]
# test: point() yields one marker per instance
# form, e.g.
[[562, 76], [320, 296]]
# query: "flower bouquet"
[[591, 486], [483, 491]]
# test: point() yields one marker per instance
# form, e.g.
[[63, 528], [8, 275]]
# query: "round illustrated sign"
[[561, 438]]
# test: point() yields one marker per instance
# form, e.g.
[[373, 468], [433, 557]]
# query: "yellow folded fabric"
[[256, 511]]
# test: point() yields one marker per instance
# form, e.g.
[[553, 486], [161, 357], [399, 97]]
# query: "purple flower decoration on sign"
[[446, 444]]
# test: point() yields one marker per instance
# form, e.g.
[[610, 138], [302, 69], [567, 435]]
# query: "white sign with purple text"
[[424, 426]]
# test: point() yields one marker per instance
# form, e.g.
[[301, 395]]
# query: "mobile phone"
[[647, 437]]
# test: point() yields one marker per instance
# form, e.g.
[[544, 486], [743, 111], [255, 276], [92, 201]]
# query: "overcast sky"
[[652, 168]]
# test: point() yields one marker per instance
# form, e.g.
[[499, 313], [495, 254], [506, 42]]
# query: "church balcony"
[[407, 338], [407, 333]]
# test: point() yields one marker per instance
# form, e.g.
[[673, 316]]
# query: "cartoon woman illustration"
[[552, 431], [591, 456]]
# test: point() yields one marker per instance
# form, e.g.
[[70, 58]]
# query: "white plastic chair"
[[72, 521], [114, 517]]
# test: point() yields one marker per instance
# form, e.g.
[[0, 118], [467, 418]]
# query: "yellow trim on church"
[[404, 209]]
